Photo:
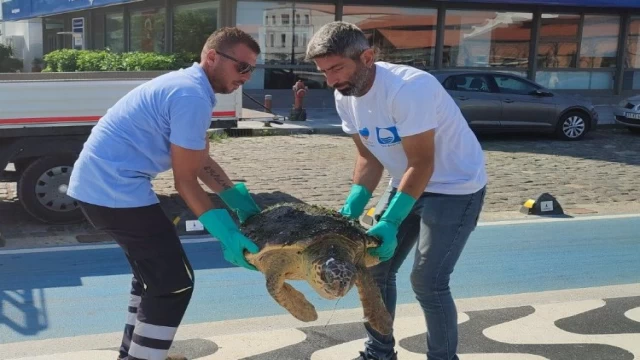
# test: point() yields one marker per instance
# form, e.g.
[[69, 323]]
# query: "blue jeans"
[[440, 225]]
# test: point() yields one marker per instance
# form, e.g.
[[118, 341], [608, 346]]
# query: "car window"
[[472, 82], [511, 85]]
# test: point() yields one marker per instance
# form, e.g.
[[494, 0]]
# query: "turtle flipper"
[[375, 312], [283, 293]]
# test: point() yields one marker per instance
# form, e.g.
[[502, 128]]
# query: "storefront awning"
[[13, 10]]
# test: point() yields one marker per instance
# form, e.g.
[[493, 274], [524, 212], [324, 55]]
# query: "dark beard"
[[358, 82]]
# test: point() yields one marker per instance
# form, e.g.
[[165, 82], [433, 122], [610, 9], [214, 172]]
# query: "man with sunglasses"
[[402, 120], [158, 126]]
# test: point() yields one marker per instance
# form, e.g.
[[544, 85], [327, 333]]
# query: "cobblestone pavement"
[[602, 171]]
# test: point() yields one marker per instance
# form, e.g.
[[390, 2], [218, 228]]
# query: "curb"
[[273, 131]]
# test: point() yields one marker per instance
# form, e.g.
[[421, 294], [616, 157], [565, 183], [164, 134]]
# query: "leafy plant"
[[8, 63]]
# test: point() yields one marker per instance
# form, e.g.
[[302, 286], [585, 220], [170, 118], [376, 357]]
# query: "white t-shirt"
[[405, 101]]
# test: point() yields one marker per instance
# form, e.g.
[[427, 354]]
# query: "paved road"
[[562, 289], [599, 174]]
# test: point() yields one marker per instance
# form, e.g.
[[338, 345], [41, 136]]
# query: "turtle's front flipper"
[[374, 310], [288, 297]]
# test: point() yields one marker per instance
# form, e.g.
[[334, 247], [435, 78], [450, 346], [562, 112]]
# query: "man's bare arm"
[[420, 150], [368, 170], [214, 176], [187, 164]]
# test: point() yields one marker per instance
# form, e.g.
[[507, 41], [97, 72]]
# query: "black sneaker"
[[365, 356], [170, 357]]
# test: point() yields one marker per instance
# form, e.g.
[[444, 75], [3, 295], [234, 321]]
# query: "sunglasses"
[[241, 66]]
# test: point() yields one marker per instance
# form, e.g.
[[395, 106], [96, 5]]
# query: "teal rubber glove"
[[387, 228], [218, 223], [240, 201], [357, 199]]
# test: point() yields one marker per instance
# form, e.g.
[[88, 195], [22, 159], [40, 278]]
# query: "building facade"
[[585, 46]]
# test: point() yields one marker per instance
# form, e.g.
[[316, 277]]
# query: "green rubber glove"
[[387, 228], [240, 201], [357, 199], [218, 223]]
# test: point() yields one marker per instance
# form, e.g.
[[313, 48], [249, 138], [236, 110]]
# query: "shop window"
[[631, 79], [399, 35], [558, 45], [114, 32], [147, 30], [599, 41], [583, 80], [486, 39], [192, 25], [564, 46], [250, 13]]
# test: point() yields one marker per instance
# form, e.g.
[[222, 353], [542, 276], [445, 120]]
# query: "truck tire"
[[42, 190]]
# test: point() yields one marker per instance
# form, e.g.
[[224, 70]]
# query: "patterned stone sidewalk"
[[602, 170]]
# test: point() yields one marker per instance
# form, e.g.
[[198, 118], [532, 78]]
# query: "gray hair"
[[337, 38]]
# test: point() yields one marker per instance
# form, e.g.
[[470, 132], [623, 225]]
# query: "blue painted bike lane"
[[50, 294]]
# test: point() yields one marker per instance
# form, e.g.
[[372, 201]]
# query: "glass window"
[[283, 41], [470, 82], [192, 25], [486, 39], [147, 30], [114, 30], [400, 35], [632, 59], [284, 50], [558, 45], [584, 80], [511, 85], [599, 45]]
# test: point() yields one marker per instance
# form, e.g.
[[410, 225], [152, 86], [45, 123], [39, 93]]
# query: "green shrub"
[[99, 61], [8, 63], [63, 60], [104, 60], [141, 61]]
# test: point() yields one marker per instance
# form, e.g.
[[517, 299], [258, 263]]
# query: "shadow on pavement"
[[26, 275]]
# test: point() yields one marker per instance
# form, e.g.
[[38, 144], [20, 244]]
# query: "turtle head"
[[335, 275]]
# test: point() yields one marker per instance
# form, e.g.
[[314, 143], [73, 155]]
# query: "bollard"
[[267, 102], [298, 113]]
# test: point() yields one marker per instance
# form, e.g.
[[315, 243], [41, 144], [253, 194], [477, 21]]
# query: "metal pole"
[[293, 34]]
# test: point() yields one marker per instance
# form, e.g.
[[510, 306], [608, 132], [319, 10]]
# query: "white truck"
[[45, 118]]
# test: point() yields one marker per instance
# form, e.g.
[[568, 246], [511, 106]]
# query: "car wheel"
[[634, 130], [572, 126], [42, 190]]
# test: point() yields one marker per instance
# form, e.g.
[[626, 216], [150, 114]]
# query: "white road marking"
[[271, 325], [633, 314], [539, 328], [239, 346]]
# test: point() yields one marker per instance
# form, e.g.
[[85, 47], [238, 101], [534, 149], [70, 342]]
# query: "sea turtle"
[[300, 241]]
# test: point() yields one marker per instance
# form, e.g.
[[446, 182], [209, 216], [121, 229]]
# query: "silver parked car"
[[627, 113], [500, 101]]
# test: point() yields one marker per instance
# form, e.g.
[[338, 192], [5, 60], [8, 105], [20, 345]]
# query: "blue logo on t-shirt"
[[387, 136], [364, 132]]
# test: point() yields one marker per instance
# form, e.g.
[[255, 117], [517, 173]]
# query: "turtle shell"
[[301, 224]]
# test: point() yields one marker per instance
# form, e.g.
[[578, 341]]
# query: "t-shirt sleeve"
[[414, 107], [347, 123], [189, 117]]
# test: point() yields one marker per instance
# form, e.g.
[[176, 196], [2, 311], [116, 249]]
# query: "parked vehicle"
[[500, 101], [45, 120], [627, 113]]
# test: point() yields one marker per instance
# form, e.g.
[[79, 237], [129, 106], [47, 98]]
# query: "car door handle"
[[508, 100], [463, 98]]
